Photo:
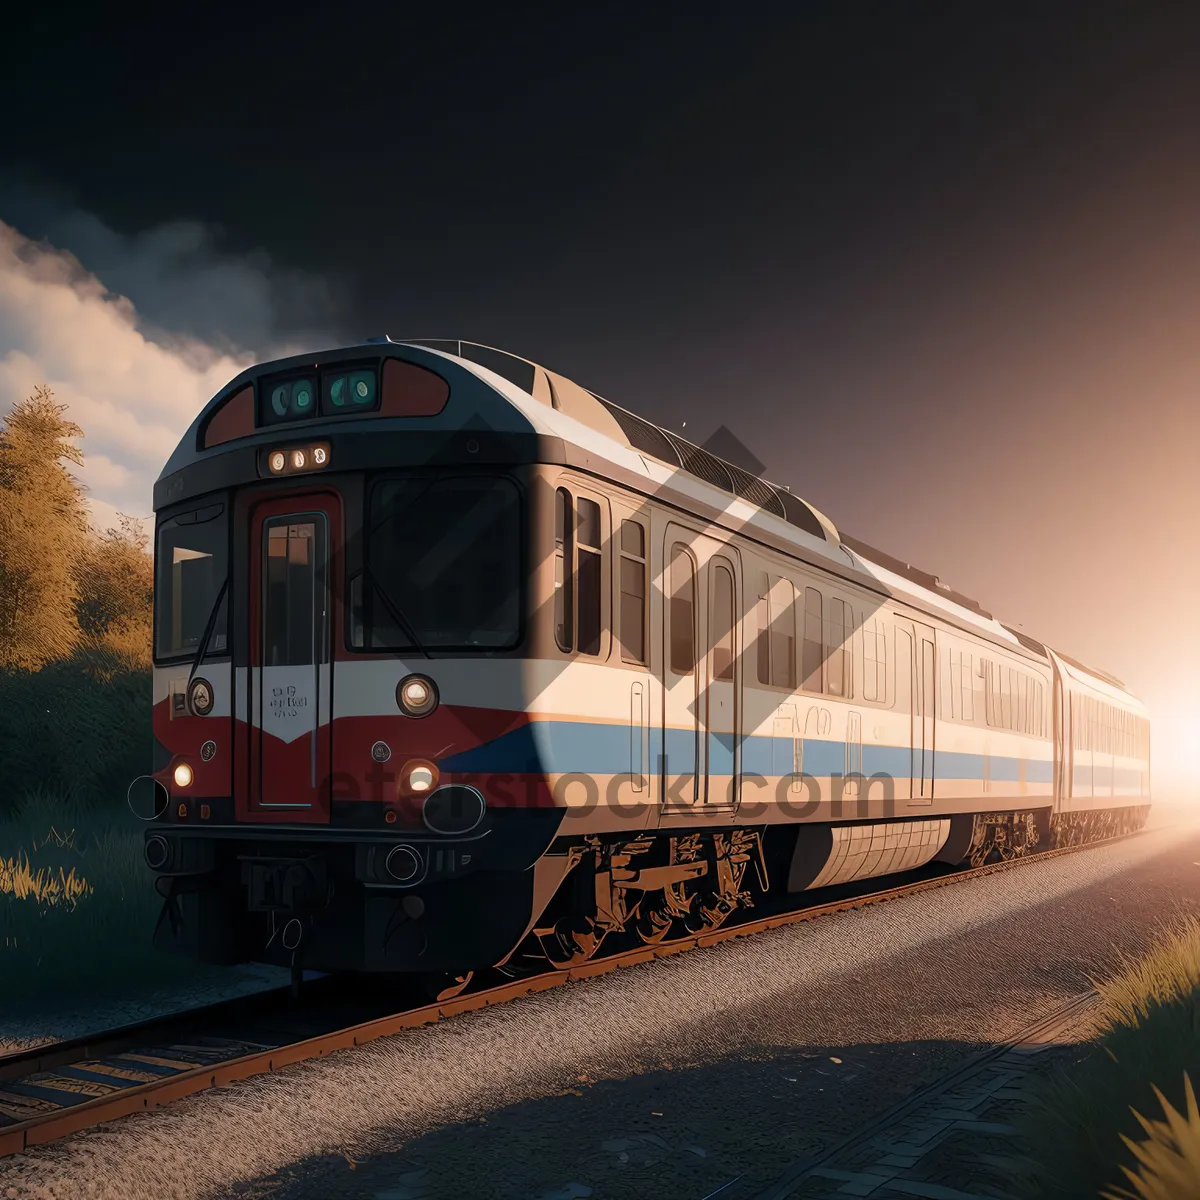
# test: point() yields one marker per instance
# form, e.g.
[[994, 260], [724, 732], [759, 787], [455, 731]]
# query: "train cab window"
[[443, 563], [588, 575], [632, 611], [192, 566], [293, 620], [564, 570], [722, 622], [814, 640], [682, 633]]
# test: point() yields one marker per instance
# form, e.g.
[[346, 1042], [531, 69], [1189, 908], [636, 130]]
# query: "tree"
[[43, 531], [114, 578]]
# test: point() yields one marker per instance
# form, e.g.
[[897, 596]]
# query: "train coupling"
[[284, 884]]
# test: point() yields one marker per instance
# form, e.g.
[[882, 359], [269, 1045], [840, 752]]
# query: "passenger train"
[[461, 665]]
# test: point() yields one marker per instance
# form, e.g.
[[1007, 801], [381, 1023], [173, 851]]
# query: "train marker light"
[[183, 775], [285, 460]]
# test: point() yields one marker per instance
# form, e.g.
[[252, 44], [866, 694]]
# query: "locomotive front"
[[341, 611]]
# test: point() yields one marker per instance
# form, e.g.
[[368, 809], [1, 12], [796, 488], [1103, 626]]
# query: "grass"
[[1086, 1131], [77, 909]]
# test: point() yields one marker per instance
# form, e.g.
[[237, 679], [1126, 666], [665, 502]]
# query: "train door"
[[700, 746], [924, 714], [916, 691], [1062, 742], [290, 681]]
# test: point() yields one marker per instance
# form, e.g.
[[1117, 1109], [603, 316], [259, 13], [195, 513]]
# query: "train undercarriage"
[[584, 897]]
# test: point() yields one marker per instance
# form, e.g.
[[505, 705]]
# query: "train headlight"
[[417, 695], [278, 461], [299, 458], [418, 777], [183, 775]]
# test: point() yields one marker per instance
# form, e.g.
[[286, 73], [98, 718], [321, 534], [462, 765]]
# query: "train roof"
[[556, 406]]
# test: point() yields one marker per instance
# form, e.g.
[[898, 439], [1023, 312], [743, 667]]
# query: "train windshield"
[[444, 564], [193, 554]]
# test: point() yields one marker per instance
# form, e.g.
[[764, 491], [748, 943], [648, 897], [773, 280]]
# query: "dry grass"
[[1168, 972], [1083, 1132], [1169, 1158], [46, 886]]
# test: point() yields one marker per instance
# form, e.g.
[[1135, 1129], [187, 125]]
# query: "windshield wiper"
[[209, 626], [395, 612]]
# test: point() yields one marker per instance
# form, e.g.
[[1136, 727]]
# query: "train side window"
[[814, 639], [588, 575], [835, 659], [904, 671], [721, 621], [564, 573], [682, 634], [783, 634], [763, 641], [968, 687], [874, 660], [632, 616]]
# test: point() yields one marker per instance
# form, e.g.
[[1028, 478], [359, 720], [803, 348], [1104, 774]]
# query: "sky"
[[936, 265]]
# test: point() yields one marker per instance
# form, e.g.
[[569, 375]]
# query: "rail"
[[126, 1093]]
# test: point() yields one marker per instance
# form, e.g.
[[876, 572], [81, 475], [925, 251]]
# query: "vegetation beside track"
[[77, 910], [77, 905], [1120, 1119]]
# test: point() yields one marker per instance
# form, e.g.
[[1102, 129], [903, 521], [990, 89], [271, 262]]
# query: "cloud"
[[134, 335]]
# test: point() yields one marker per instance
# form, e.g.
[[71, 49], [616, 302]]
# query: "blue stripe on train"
[[560, 747]]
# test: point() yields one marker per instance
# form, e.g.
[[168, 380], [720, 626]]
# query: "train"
[[459, 665]]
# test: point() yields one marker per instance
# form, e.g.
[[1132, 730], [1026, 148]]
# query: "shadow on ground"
[[675, 1133]]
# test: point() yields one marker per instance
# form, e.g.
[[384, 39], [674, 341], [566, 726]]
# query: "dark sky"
[[937, 265]]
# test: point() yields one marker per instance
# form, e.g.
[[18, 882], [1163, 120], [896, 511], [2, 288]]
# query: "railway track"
[[57, 1089]]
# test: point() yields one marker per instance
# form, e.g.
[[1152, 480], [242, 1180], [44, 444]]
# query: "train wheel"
[[707, 917], [653, 925], [568, 947]]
